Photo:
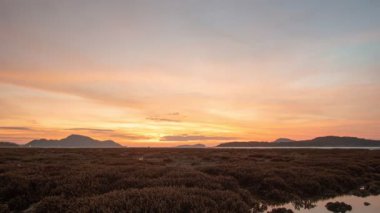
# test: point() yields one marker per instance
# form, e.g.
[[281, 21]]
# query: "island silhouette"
[[81, 141]]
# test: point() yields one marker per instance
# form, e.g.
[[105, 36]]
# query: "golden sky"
[[163, 73]]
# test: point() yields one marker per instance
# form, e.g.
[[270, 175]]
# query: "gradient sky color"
[[166, 72]]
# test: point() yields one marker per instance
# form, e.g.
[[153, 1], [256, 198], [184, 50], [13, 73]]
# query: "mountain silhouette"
[[327, 141], [282, 140], [8, 145], [73, 141]]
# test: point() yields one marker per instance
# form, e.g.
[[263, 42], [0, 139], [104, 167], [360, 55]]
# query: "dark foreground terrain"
[[179, 180]]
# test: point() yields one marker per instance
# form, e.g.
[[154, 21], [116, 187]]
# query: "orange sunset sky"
[[165, 72]]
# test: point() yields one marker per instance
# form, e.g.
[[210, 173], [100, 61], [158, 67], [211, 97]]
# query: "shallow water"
[[357, 204]]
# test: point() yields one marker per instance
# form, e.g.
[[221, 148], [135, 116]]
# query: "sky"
[[169, 72]]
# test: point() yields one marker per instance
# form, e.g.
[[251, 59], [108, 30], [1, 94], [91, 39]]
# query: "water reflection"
[[370, 204]]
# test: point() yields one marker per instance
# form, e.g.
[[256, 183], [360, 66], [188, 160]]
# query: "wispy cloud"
[[91, 129], [131, 136], [16, 128], [194, 138], [163, 119], [169, 117]]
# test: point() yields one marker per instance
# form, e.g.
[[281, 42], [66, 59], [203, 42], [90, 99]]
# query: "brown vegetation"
[[179, 180], [339, 207], [281, 210]]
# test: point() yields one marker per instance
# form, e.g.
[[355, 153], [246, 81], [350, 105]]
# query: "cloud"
[[169, 117], [131, 136], [16, 128], [91, 129], [194, 138], [163, 119], [113, 134]]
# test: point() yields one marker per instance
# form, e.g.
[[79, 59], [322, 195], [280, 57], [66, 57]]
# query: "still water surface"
[[357, 204]]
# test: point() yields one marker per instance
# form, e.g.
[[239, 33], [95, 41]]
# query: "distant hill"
[[192, 146], [8, 145], [73, 141], [328, 141], [282, 140]]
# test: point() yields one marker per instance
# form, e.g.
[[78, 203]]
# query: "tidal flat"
[[181, 180]]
